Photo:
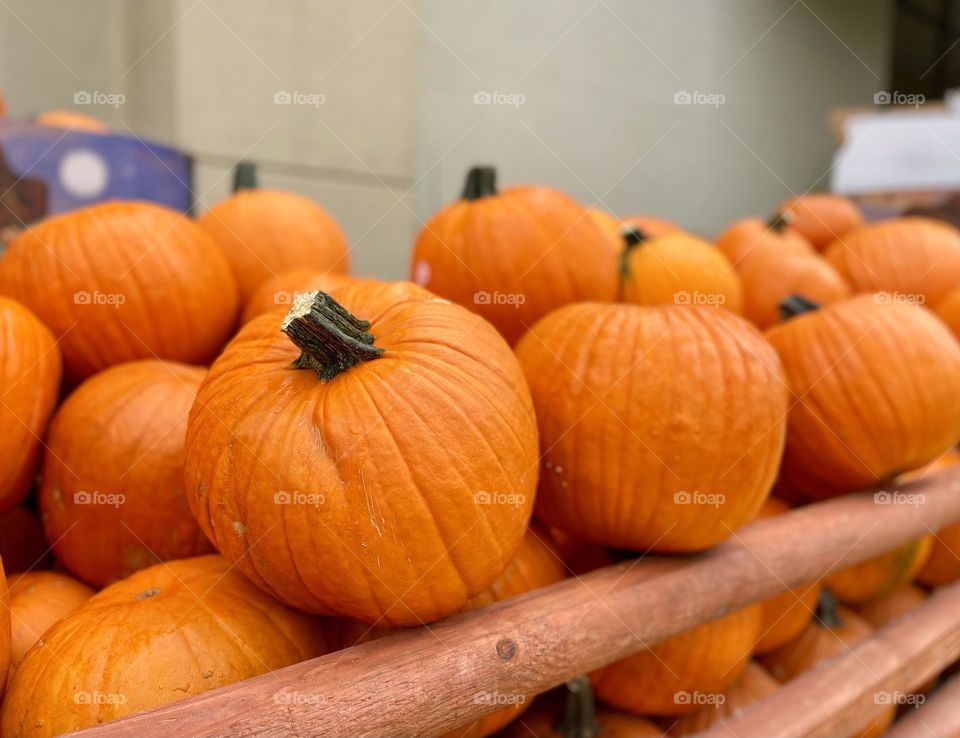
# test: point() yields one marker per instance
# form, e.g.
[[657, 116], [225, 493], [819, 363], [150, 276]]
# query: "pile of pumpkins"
[[241, 456]]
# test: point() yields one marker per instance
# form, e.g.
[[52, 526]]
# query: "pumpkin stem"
[[331, 338], [481, 182], [244, 176], [580, 711], [796, 305], [779, 221], [828, 610], [632, 237]]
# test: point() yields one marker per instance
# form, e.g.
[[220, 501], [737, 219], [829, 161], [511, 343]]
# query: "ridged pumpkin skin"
[[822, 218], [277, 293], [753, 685], [884, 610], [679, 269], [72, 121], [167, 633], [422, 463], [876, 391], [38, 599], [881, 575], [749, 238], [263, 233], [770, 278], [702, 661], [22, 543], [917, 258], [784, 615], [641, 411], [514, 256], [545, 717], [4, 630], [29, 384], [123, 281], [113, 472]]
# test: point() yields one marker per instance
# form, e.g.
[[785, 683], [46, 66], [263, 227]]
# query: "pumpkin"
[[113, 472], [29, 385], [748, 238], [578, 556], [651, 227], [677, 269], [38, 599], [277, 293], [753, 685], [881, 575], [787, 614], [22, 543], [263, 233], [514, 256], [5, 630], [942, 566], [876, 392], [71, 121], [384, 464], [769, 278], [610, 225], [882, 611], [122, 281], [675, 676], [646, 443], [913, 259], [166, 633], [822, 218], [948, 308]]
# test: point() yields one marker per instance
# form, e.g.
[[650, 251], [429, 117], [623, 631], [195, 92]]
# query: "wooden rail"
[[938, 717], [427, 680]]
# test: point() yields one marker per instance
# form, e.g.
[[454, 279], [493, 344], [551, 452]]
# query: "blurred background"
[[693, 110]]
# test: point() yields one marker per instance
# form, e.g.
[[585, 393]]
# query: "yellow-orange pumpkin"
[[749, 238], [753, 685], [387, 475], [645, 441], [514, 256], [277, 293], [822, 218], [113, 472], [38, 599], [881, 575]]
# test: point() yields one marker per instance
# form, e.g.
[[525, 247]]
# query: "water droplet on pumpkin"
[[559, 470]]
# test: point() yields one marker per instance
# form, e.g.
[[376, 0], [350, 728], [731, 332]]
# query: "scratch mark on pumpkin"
[[239, 528], [372, 510]]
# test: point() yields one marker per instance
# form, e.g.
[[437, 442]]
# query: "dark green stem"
[[779, 221], [828, 610], [244, 176], [580, 711], [481, 182], [331, 338], [796, 305], [632, 238]]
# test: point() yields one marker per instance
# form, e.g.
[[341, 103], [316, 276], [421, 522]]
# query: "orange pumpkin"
[[123, 281], [751, 237], [942, 566], [822, 218], [29, 384], [71, 121], [676, 676], [167, 633], [263, 233], [514, 256], [948, 308], [651, 227], [277, 293], [610, 225], [677, 269], [915, 259], [644, 442], [882, 611], [300, 456], [787, 614], [22, 543], [38, 599], [753, 685], [5, 629], [876, 391], [881, 575], [113, 472]]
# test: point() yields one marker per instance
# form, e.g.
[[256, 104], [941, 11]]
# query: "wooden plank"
[[938, 717], [427, 680]]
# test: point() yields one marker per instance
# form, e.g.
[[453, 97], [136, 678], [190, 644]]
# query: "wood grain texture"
[[938, 717], [425, 681]]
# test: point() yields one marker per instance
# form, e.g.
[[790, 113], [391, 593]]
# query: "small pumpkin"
[[113, 472], [122, 281], [22, 543], [29, 385], [822, 218], [942, 566], [914, 259], [179, 628], [787, 614], [881, 575], [300, 456], [882, 611], [677, 269], [263, 233], [514, 256], [5, 629], [644, 442], [38, 599], [748, 238], [753, 685], [72, 121], [277, 293], [876, 391]]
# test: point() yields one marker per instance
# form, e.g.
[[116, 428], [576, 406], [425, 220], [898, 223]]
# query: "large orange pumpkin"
[[22, 543], [876, 392], [123, 281], [914, 259], [646, 441], [748, 238], [822, 218], [881, 575], [167, 633], [677, 269], [263, 233], [113, 472], [71, 121], [385, 475], [277, 293], [514, 256], [29, 384], [753, 685], [5, 631], [38, 599], [948, 308]]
